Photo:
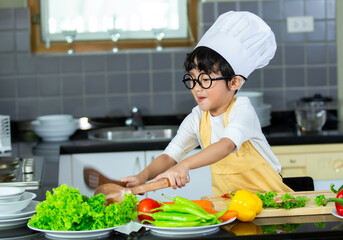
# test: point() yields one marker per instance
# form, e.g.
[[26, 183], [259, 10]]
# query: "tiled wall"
[[305, 63], [107, 84]]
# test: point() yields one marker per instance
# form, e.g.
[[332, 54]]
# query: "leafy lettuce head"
[[68, 210]]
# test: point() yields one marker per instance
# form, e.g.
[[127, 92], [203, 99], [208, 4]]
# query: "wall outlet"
[[300, 24]]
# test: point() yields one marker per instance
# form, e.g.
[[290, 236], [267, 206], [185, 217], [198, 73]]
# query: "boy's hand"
[[178, 176], [132, 181]]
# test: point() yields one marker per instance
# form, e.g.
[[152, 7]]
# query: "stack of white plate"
[[55, 128], [263, 110], [16, 206]]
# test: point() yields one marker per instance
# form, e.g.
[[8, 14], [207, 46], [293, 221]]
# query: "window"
[[93, 25]]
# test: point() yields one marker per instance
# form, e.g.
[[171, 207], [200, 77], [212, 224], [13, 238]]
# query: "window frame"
[[38, 46]]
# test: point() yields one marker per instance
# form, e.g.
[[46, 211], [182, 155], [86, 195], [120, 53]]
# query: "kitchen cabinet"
[[322, 162], [120, 164]]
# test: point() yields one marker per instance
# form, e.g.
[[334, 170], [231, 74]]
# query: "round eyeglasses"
[[204, 80]]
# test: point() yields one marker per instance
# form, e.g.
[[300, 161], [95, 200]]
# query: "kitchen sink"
[[127, 134]]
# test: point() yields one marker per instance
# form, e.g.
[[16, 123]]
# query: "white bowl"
[[16, 206], [37, 123], [57, 126], [54, 119], [10, 194], [53, 134], [56, 129]]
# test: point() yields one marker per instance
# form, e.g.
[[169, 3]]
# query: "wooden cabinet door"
[[293, 160], [326, 166], [322, 162], [112, 165], [293, 165]]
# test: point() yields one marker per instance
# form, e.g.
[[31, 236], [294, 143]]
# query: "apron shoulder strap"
[[205, 125]]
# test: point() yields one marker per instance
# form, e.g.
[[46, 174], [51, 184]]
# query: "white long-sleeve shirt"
[[243, 125]]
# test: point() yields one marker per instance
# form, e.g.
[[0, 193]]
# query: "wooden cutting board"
[[310, 208], [295, 219]]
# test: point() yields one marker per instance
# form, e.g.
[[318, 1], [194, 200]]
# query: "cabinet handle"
[[292, 161], [337, 165], [137, 161], [138, 165]]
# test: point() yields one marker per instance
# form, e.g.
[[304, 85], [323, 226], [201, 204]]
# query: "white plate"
[[202, 230], [10, 194], [14, 222], [334, 212], [14, 207], [29, 210], [75, 234]]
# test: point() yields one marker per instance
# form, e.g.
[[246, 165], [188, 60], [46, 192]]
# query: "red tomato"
[[145, 206]]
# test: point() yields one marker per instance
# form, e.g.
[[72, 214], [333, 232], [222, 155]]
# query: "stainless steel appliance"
[[21, 172]]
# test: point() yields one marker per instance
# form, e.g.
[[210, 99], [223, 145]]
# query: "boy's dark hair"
[[208, 61]]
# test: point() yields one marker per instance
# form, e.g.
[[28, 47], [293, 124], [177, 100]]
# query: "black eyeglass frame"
[[190, 78]]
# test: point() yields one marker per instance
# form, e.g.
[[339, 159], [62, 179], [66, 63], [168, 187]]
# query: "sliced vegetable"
[[320, 200], [268, 199], [287, 201], [227, 195]]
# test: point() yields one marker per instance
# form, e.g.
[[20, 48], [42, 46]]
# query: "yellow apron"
[[244, 169]]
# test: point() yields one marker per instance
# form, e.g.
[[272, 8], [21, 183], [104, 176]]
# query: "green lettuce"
[[286, 201], [68, 210]]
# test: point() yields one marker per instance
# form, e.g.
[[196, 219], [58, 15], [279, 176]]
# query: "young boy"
[[226, 128]]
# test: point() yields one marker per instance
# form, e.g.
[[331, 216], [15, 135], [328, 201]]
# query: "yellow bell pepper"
[[259, 204], [247, 204]]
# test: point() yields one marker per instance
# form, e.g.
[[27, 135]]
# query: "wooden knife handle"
[[151, 186]]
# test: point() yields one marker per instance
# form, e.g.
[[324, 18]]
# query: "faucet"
[[136, 120]]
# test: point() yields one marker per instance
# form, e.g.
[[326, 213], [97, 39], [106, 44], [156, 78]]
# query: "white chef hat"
[[243, 39]]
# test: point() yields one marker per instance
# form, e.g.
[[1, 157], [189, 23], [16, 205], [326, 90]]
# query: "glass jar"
[[310, 113]]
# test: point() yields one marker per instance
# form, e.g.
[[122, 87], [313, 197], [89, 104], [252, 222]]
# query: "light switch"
[[300, 24]]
